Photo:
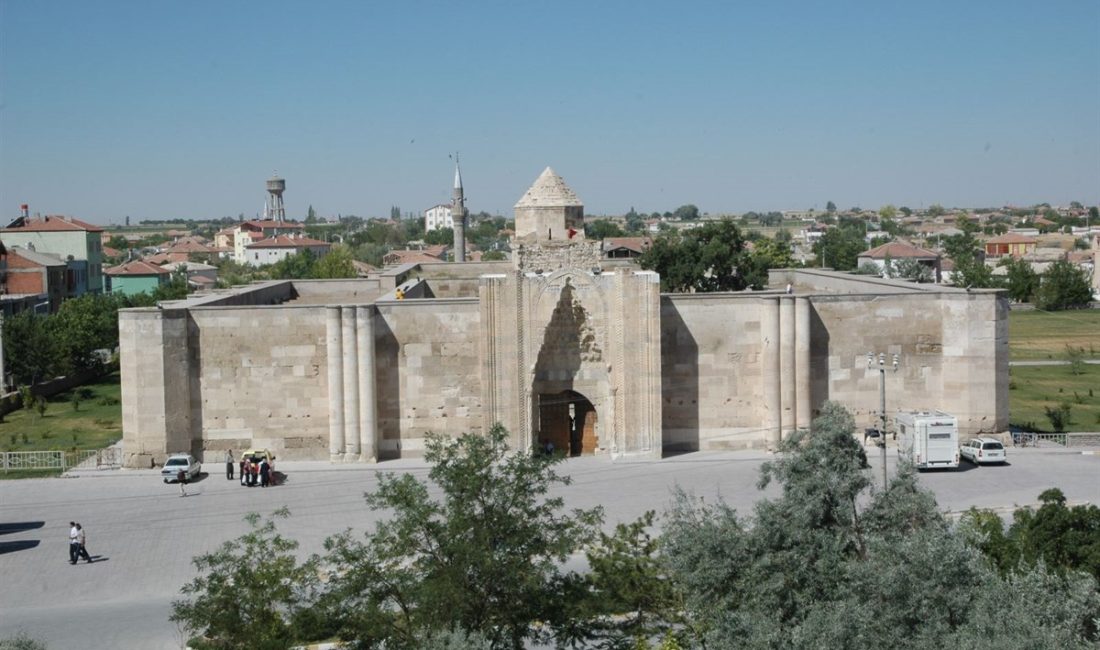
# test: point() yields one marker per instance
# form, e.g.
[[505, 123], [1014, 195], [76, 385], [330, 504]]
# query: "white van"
[[930, 439]]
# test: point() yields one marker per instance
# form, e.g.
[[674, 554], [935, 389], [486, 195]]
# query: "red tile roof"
[[1012, 238], [51, 223], [268, 225], [136, 267], [896, 250], [286, 241]]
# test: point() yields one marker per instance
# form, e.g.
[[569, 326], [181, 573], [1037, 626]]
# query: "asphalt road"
[[143, 534]]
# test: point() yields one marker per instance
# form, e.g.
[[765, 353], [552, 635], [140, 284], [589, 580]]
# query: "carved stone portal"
[[573, 357]]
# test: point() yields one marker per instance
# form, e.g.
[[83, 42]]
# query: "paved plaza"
[[143, 534]]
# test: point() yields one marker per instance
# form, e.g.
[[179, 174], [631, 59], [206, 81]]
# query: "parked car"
[[256, 455], [176, 462], [983, 451]]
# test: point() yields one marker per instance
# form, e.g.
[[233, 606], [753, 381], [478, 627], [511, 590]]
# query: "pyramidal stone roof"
[[549, 190]]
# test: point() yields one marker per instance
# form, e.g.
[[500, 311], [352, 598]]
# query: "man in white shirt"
[[74, 542]]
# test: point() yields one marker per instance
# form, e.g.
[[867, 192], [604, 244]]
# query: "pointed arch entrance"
[[567, 420]]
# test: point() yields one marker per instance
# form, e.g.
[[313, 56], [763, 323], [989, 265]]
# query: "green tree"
[[830, 207], [485, 556], [334, 264], [296, 266], [30, 349], [1060, 416], [839, 247], [439, 236], [601, 229], [252, 592], [1063, 286], [709, 258], [630, 596], [823, 565], [936, 210], [687, 212], [887, 211], [311, 216], [493, 256], [1021, 280], [909, 269]]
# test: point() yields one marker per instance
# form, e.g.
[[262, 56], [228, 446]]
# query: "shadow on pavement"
[[19, 526], [22, 545]]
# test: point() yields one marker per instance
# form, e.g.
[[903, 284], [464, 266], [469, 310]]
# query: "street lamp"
[[882, 402]]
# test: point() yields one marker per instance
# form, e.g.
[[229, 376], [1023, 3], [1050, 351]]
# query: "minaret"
[[458, 215]]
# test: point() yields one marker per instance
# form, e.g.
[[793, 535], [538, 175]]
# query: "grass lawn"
[[97, 423], [1045, 335], [1032, 388]]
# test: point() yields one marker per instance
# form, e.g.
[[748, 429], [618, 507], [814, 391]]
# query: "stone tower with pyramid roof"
[[550, 229]]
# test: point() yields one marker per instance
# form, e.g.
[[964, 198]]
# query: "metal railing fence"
[[61, 460]]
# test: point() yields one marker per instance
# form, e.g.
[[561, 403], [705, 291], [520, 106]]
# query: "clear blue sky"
[[166, 109]]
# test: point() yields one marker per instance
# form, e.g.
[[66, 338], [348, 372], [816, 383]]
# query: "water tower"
[[275, 187]]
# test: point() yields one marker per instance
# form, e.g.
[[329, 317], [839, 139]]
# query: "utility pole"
[[882, 403]]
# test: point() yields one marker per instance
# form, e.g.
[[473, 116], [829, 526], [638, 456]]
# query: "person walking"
[[74, 542], [81, 538], [265, 473], [181, 478], [229, 465]]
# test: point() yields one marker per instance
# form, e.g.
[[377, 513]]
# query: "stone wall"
[[428, 371], [258, 380], [552, 256]]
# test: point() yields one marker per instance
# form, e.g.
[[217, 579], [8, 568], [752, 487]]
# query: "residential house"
[[279, 247], [625, 247], [1009, 243], [894, 251], [33, 273], [249, 232], [75, 241], [189, 250], [199, 276], [137, 276]]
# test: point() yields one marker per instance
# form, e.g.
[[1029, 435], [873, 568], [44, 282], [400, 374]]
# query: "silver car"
[[983, 451], [177, 462]]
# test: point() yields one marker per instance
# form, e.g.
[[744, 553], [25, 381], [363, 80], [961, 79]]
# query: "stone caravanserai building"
[[557, 345]]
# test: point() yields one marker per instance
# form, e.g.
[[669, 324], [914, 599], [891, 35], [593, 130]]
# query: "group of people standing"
[[255, 470], [77, 538]]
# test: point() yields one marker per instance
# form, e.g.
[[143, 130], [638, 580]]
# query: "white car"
[[176, 462], [983, 451]]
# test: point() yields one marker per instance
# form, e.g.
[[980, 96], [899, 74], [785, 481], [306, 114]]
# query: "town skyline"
[[182, 112]]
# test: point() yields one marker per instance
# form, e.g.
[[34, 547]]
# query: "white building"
[[274, 249], [438, 217]]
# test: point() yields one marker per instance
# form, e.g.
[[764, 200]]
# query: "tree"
[[296, 266], [1063, 286], [30, 348], [710, 258], [830, 207], [936, 210], [484, 557], [334, 264], [909, 269], [600, 229], [839, 248], [887, 211], [687, 212], [1060, 416], [823, 565], [311, 215], [1021, 280], [251, 592], [439, 236], [493, 256]]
